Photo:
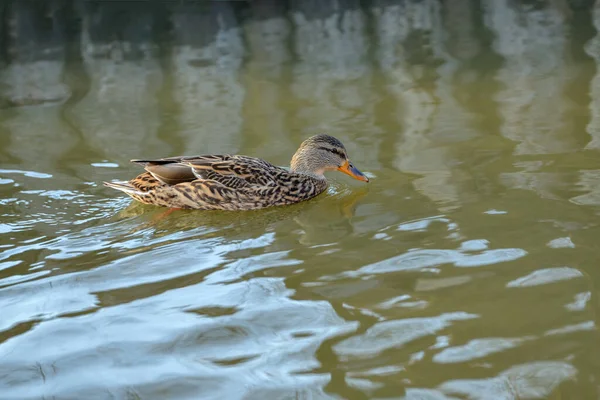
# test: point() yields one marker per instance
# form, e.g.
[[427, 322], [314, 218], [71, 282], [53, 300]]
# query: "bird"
[[238, 182]]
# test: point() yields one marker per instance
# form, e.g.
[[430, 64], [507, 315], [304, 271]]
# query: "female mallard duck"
[[233, 182]]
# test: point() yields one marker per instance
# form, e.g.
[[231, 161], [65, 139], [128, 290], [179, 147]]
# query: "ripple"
[[422, 258], [475, 349], [240, 268], [105, 164], [535, 380], [9, 264], [16, 278], [29, 174], [8, 228], [545, 276], [580, 301], [394, 334], [133, 344], [561, 243], [584, 326], [422, 224]]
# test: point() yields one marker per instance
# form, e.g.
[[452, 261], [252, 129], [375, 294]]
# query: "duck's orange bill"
[[351, 170]]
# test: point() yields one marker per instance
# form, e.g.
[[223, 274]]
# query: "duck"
[[238, 182]]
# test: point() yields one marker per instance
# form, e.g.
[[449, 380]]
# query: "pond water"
[[466, 268]]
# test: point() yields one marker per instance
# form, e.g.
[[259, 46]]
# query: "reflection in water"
[[205, 76], [534, 74], [389, 334], [331, 76], [409, 35], [442, 278], [268, 36], [119, 110], [528, 381], [34, 74], [593, 50]]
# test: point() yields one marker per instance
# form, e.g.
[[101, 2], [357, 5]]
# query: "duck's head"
[[321, 153]]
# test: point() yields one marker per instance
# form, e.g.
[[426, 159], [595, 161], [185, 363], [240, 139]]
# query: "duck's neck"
[[320, 177], [305, 164], [298, 168], [319, 181]]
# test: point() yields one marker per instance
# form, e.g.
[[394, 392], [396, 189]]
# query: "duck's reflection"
[[332, 219]]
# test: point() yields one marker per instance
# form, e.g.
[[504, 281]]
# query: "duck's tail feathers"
[[124, 186]]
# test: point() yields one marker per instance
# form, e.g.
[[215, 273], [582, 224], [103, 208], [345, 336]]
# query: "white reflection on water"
[[271, 336], [421, 259], [394, 334], [535, 380], [38, 299], [579, 302], [561, 243], [545, 276], [584, 326], [476, 348]]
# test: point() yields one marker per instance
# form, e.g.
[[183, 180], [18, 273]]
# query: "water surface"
[[466, 268]]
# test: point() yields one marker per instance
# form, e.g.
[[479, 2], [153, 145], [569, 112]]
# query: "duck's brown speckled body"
[[235, 182]]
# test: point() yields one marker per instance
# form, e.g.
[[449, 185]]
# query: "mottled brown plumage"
[[235, 182]]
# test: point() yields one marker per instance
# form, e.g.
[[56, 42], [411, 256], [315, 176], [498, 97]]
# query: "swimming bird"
[[237, 182]]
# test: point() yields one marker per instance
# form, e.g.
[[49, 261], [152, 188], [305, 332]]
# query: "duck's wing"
[[168, 170], [232, 171]]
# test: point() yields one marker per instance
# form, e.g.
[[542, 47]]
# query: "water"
[[466, 268]]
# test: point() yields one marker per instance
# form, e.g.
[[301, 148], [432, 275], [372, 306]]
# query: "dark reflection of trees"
[[133, 23], [33, 51], [207, 51], [35, 30]]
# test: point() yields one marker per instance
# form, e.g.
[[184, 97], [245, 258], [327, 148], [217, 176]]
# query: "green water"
[[465, 269]]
